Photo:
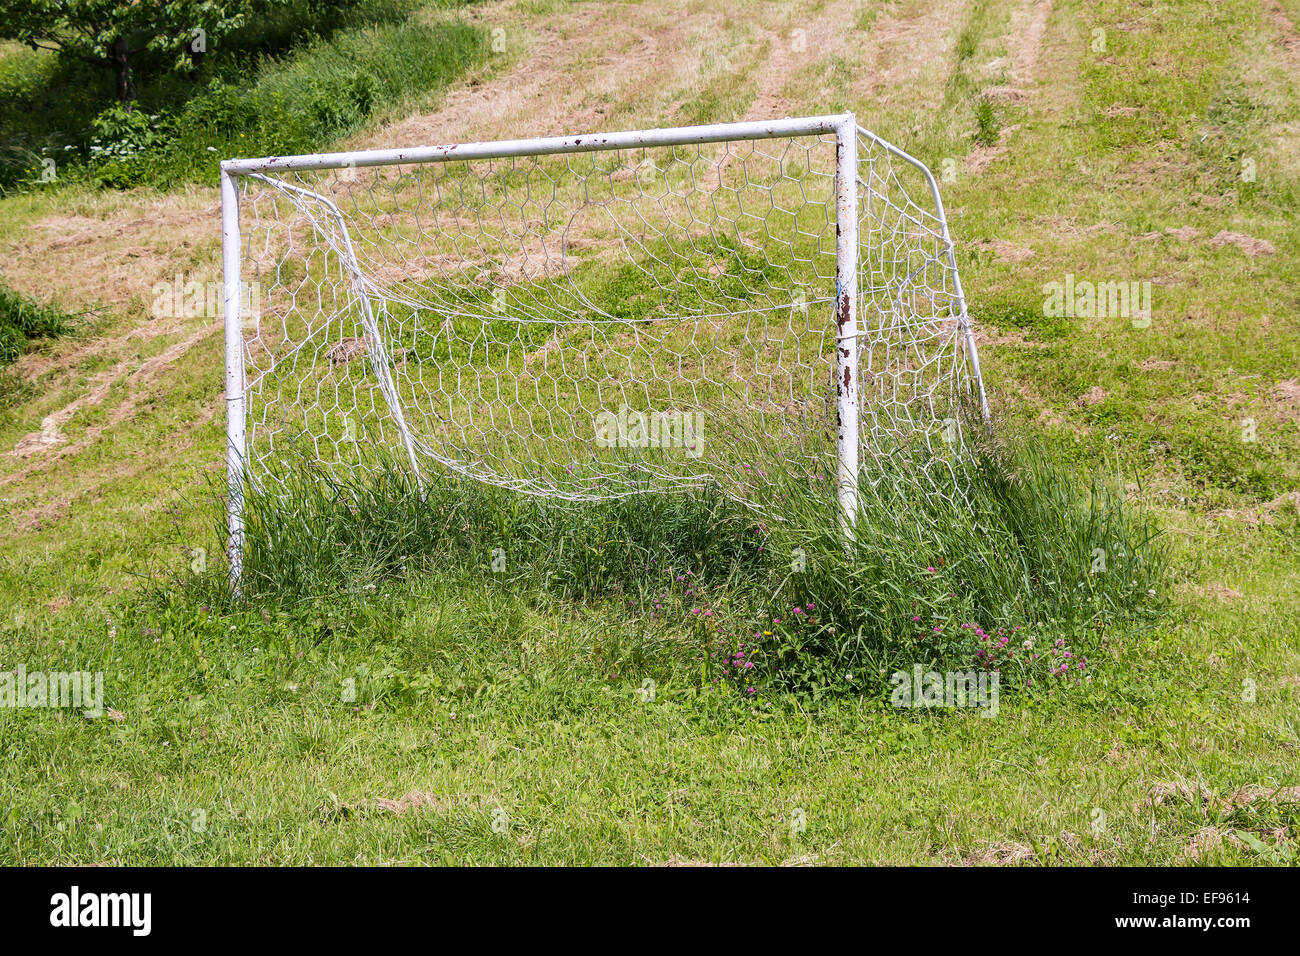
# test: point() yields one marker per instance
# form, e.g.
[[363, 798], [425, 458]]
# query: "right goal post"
[[591, 316]]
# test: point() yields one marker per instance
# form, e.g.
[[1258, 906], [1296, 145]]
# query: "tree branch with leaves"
[[112, 34]]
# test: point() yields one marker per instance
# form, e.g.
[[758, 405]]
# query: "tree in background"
[[114, 34]]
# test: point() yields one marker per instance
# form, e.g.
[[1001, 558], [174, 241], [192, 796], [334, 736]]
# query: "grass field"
[[374, 709]]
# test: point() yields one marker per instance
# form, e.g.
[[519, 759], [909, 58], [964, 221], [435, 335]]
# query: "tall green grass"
[[1000, 559], [25, 323], [318, 535], [23, 320], [990, 564]]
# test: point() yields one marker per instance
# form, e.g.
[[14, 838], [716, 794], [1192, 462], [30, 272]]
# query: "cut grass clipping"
[[1021, 568]]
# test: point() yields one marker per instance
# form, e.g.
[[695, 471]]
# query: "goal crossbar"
[[585, 143]]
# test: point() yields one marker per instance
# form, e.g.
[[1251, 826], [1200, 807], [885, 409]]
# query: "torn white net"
[[589, 325]]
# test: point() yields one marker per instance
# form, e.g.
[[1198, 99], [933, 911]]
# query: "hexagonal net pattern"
[[587, 325]]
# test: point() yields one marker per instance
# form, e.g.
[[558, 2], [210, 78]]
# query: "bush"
[[23, 320], [302, 77], [120, 143]]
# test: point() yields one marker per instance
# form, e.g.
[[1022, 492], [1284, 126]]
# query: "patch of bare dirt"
[[1220, 592], [1006, 94], [1146, 171], [33, 442], [37, 519], [414, 800], [1010, 853], [1181, 233], [1244, 796], [1004, 251], [1093, 396], [1003, 853], [1067, 228], [1028, 30], [1208, 840], [1164, 792], [526, 266], [347, 350], [981, 157], [1288, 37], [1156, 365], [1248, 244], [1263, 514], [1024, 60], [985, 339], [1286, 396], [683, 861]]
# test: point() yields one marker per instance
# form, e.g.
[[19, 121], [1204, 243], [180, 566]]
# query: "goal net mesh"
[[590, 325]]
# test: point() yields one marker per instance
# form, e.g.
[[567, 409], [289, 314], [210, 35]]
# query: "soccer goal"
[[584, 317]]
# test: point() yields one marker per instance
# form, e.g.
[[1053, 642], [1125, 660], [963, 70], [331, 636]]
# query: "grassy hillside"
[[430, 710]]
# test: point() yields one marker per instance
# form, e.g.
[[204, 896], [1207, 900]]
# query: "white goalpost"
[[591, 316]]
